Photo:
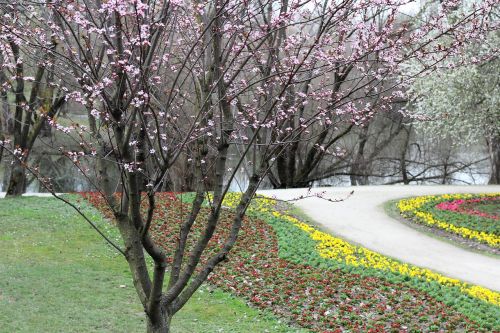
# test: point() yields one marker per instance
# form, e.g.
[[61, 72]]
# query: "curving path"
[[361, 219]]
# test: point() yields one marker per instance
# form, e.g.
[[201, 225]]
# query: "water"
[[67, 178]]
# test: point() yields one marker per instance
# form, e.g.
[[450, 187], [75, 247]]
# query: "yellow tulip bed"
[[443, 212]]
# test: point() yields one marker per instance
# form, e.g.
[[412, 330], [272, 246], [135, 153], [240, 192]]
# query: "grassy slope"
[[57, 275]]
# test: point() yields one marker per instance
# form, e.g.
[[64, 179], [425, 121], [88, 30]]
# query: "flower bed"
[[280, 264], [453, 213]]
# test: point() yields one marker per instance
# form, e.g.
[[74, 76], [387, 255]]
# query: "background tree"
[[28, 80], [463, 103]]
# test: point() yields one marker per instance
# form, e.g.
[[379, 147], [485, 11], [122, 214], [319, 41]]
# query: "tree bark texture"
[[494, 152], [162, 326], [17, 181]]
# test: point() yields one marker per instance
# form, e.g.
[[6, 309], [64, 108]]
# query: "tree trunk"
[[46, 131], [103, 175], [17, 180], [404, 171], [281, 168], [402, 157], [358, 166], [494, 150], [2, 138], [352, 178], [162, 325]]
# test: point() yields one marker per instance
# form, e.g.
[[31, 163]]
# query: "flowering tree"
[[462, 102], [165, 81], [362, 82]]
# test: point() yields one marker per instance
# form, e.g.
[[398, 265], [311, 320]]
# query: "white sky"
[[410, 8]]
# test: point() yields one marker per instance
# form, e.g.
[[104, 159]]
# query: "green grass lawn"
[[58, 275]]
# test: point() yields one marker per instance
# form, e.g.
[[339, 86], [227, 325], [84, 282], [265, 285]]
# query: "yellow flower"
[[412, 207]]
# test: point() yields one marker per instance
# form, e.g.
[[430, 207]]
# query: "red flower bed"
[[465, 206], [321, 300]]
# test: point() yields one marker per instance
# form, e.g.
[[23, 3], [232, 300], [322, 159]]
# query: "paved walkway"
[[362, 219]]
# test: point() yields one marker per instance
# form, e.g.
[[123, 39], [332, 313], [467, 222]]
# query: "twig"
[[319, 195]]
